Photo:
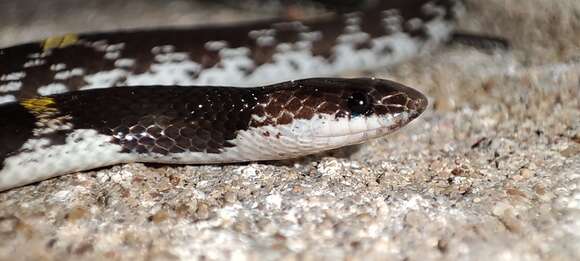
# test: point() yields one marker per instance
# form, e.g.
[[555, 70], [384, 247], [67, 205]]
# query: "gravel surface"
[[490, 172]]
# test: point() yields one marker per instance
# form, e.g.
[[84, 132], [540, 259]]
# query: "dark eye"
[[359, 104]]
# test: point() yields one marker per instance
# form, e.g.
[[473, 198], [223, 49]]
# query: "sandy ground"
[[491, 172]]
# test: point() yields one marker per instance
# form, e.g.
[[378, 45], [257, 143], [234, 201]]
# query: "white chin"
[[326, 130], [303, 137]]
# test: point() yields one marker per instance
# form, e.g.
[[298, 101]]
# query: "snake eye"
[[359, 104]]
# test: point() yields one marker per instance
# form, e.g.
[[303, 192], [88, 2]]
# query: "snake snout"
[[417, 103], [393, 98]]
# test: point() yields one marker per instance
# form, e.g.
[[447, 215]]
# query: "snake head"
[[324, 113]]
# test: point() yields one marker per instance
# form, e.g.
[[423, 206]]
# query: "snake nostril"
[[417, 106], [420, 104], [416, 103]]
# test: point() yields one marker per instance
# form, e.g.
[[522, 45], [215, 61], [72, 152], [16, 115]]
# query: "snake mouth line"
[[385, 126], [378, 130]]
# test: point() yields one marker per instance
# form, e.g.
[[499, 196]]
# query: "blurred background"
[[28, 20]]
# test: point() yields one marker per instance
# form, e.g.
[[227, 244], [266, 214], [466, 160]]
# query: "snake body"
[[57, 114]]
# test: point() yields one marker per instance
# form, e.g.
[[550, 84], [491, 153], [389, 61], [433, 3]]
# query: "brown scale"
[[161, 120], [295, 100]]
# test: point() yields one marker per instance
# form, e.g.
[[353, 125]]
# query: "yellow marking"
[[39, 105], [68, 39], [59, 41]]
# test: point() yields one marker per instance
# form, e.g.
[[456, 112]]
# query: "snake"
[[255, 91]]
